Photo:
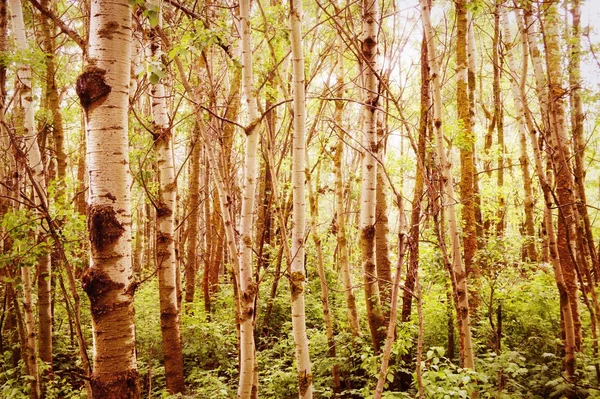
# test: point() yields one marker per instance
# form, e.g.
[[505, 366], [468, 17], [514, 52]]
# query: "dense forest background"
[[329, 199]]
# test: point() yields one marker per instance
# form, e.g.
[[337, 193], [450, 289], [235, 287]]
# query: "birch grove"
[[304, 166]]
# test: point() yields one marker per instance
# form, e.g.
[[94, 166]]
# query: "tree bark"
[[305, 382], [103, 92], [577, 119], [314, 232], [563, 172], [499, 118], [462, 302], [415, 216], [368, 60], [467, 175], [194, 210], [382, 256], [340, 211], [391, 328], [516, 85], [247, 287], [165, 239], [34, 161], [568, 324]]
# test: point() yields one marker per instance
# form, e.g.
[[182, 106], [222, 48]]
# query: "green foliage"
[[443, 379]]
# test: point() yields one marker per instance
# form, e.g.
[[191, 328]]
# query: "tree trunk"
[[464, 322], [305, 383], [561, 155], [103, 92], [247, 287], [516, 85], [382, 256], [499, 118], [577, 119], [314, 232], [193, 207], [368, 55], [340, 211], [391, 329], [165, 239], [34, 161], [568, 324], [467, 174]]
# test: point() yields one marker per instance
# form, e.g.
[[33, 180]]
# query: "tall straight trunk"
[[586, 251], [53, 105], [499, 119], [305, 382], [247, 287], [467, 174], [165, 239], [516, 85], [34, 161], [577, 119], [194, 211], [314, 232], [391, 328], [103, 91], [340, 211], [382, 255], [462, 301], [415, 216], [472, 83], [138, 250], [561, 161], [568, 324], [207, 237], [368, 187]]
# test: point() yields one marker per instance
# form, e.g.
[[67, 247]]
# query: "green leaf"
[[152, 18]]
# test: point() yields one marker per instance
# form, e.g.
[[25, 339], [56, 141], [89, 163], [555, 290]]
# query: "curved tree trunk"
[[103, 91]]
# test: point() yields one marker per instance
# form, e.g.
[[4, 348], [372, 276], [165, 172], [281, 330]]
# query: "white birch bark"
[[247, 287], [370, 98], [103, 89], [34, 162], [165, 238], [305, 384]]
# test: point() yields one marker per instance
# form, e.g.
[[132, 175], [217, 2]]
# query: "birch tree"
[[34, 161], [165, 239], [305, 383], [368, 187], [103, 90], [447, 196], [247, 287]]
